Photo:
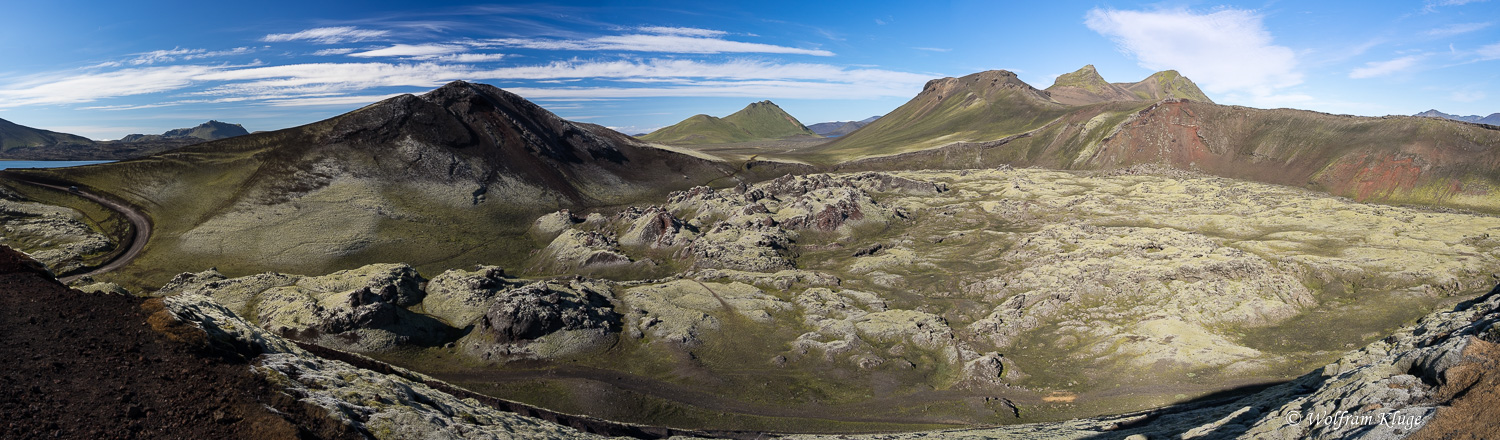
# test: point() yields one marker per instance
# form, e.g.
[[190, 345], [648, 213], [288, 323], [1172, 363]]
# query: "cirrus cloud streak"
[[650, 43], [331, 83]]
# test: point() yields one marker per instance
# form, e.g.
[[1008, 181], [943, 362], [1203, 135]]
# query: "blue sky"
[[107, 69]]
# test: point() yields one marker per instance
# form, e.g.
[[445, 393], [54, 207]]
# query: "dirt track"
[[140, 225]]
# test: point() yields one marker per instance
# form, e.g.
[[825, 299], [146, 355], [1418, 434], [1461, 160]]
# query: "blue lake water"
[[47, 163]]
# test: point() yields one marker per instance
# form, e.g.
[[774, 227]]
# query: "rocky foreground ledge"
[[1437, 379], [85, 365]]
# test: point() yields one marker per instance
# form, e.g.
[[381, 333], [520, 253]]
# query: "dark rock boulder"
[[540, 309]]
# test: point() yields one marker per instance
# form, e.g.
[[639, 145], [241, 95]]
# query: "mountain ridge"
[[840, 128], [1492, 119], [15, 136], [984, 105], [208, 131], [993, 118], [464, 164], [1085, 86], [25, 143], [762, 120]]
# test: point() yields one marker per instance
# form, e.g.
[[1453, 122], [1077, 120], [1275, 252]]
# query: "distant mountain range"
[[992, 118], [26, 143], [1492, 119], [840, 128], [465, 165], [208, 131], [758, 121], [984, 119]]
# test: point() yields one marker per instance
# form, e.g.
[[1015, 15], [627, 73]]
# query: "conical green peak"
[[1085, 78]]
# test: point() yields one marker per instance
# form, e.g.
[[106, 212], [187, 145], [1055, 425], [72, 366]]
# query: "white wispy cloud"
[[88, 87], [933, 49], [1490, 52], [732, 70], [733, 89], [170, 55], [335, 51], [328, 35], [127, 106], [220, 53], [303, 79], [1467, 96], [469, 57], [329, 101], [1457, 29], [411, 50], [1381, 68], [691, 32], [1226, 51], [342, 83], [1432, 5], [651, 43], [162, 56]]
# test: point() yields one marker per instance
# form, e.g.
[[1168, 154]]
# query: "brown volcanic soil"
[[1471, 392], [79, 365]]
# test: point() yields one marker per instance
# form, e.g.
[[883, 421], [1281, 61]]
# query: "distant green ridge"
[[1167, 84], [978, 107], [1086, 78], [14, 136], [757, 121], [1085, 86]]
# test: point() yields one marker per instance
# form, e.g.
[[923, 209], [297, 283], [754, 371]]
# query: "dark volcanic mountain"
[[208, 131], [840, 128], [465, 165], [1492, 119], [758, 121]]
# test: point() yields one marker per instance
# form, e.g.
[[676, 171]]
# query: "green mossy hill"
[[1085, 86], [768, 120], [451, 176], [13, 136], [758, 121], [699, 129], [1167, 84], [979, 107]]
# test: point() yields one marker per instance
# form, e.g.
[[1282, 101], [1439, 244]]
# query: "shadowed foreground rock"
[[92, 366], [84, 365]]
